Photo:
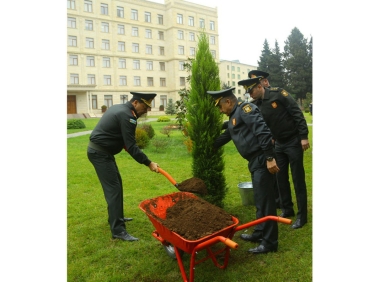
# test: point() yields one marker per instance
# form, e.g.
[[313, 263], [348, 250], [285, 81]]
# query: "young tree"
[[263, 63], [275, 68], [170, 110], [205, 123], [296, 64]]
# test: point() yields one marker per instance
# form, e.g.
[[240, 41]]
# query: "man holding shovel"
[[116, 131]]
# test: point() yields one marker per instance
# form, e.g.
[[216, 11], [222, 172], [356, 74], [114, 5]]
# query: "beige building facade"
[[115, 47]]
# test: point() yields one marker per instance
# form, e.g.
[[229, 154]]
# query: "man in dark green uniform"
[[253, 140], [289, 130], [116, 131]]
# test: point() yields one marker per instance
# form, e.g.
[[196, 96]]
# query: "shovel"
[[194, 185]]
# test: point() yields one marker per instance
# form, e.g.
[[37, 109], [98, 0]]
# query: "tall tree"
[[275, 68], [310, 64], [263, 63], [205, 123], [296, 64]]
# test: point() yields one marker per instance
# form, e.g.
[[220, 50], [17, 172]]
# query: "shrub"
[[166, 130], [163, 119], [149, 129], [141, 138], [75, 124], [160, 144]]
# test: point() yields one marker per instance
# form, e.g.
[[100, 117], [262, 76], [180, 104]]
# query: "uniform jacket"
[[116, 131], [282, 114], [248, 131]]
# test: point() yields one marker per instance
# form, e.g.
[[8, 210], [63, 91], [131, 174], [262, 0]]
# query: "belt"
[[98, 148]]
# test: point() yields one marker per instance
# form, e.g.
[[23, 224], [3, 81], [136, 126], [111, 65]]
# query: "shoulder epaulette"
[[274, 89], [239, 103]]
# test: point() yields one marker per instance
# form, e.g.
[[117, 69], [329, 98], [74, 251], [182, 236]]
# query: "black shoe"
[[255, 237], [124, 236], [286, 214], [298, 224], [262, 250]]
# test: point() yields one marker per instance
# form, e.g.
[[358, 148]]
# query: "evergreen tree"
[[310, 65], [205, 123], [263, 64], [275, 68], [170, 110], [296, 64]]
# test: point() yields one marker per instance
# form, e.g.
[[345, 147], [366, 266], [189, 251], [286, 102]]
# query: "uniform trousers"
[[263, 186], [110, 179], [290, 153]]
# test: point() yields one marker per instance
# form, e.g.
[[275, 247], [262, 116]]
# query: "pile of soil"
[[193, 185], [193, 219]]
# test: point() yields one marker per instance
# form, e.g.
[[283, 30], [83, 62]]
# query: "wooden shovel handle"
[[167, 175]]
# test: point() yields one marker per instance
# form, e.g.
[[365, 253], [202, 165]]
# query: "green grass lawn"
[[94, 256]]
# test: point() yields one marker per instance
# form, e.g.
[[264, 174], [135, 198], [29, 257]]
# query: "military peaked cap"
[[250, 83], [255, 73], [218, 95], [144, 97]]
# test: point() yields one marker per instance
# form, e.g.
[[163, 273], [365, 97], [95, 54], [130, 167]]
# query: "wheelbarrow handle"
[[168, 176]]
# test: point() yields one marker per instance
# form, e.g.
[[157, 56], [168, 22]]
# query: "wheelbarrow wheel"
[[170, 251]]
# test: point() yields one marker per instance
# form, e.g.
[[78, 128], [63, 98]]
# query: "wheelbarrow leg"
[[181, 265]]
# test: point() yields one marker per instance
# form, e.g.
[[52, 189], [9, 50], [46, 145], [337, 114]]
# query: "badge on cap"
[[246, 109], [284, 93]]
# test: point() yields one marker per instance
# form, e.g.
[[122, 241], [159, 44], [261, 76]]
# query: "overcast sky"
[[244, 25]]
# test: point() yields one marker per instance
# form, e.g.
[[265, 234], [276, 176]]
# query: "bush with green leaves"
[[148, 128], [75, 124], [141, 138], [163, 119]]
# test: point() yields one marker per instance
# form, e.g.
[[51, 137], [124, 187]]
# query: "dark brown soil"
[[193, 185], [193, 219]]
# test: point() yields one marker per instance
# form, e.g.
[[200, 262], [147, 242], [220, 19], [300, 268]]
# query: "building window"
[[88, 6], [161, 50], [148, 33], [201, 23], [227, 67], [104, 9], [191, 36], [238, 76], [233, 75], [181, 65], [163, 100], [179, 19], [134, 15], [105, 44], [90, 61], [89, 25], [74, 78], [212, 25], [135, 48], [106, 62], [72, 41], [162, 66], [73, 60], [105, 27], [192, 51], [233, 83], [180, 49], [148, 49], [72, 22], [136, 64], [71, 4], [228, 75], [160, 19], [122, 63], [147, 17], [120, 12], [108, 100], [124, 98], [191, 21], [91, 79], [238, 69], [149, 65], [182, 81], [134, 31], [89, 42], [94, 100], [137, 81], [180, 34], [163, 81], [161, 35], [150, 81], [212, 40], [120, 29], [213, 53], [123, 80], [121, 46], [107, 80], [233, 68]]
